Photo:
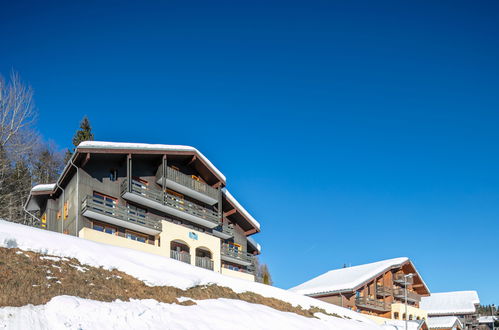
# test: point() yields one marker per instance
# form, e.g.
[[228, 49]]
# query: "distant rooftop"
[[444, 303], [443, 322], [347, 279]]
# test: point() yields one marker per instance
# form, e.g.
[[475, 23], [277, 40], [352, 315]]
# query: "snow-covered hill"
[[78, 313]]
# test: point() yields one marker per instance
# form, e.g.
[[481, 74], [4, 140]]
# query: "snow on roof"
[[445, 322], [400, 325], [487, 319], [240, 208], [457, 302], [147, 146], [346, 279], [257, 246], [155, 270], [44, 187]]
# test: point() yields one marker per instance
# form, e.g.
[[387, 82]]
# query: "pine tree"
[[83, 134]]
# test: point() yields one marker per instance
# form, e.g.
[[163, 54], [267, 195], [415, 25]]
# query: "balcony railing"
[[411, 296], [402, 279], [204, 262], [189, 182], [126, 217], [180, 256], [373, 304], [224, 231], [171, 201], [383, 291], [236, 255]]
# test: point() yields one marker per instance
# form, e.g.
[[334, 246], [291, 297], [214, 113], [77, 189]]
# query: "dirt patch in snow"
[[33, 278]]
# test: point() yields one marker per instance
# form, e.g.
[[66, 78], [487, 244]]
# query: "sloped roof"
[[443, 322], [456, 302], [348, 279], [487, 319], [400, 325], [240, 208], [152, 147]]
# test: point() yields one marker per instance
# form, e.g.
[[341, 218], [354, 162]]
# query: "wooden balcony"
[[95, 208], [402, 279], [383, 291], [180, 256], [223, 231], [204, 262], [188, 186], [372, 304], [399, 293], [170, 204], [228, 253]]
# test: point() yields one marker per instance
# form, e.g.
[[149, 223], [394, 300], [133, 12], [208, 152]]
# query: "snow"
[[445, 322], [147, 146], [257, 246], [43, 187], [400, 325], [240, 208], [487, 319], [346, 279], [156, 270], [457, 302], [65, 312]]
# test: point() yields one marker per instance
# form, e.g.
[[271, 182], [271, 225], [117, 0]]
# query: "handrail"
[[171, 200], [95, 204], [189, 182], [236, 253]]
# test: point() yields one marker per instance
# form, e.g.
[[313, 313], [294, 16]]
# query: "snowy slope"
[[155, 270]]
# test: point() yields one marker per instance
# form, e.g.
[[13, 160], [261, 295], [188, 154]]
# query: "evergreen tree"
[[83, 134]]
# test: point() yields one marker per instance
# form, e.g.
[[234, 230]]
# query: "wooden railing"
[[96, 204], [229, 230], [189, 182], [171, 200], [400, 294], [229, 251], [204, 262], [180, 256], [383, 291], [370, 303], [402, 279]]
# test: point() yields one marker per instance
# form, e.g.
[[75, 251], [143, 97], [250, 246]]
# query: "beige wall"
[[415, 312], [170, 233], [98, 236], [173, 232], [241, 275]]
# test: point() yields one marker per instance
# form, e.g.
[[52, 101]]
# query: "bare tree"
[[17, 111], [17, 143]]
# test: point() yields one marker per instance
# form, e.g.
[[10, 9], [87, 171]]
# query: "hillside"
[[52, 281]]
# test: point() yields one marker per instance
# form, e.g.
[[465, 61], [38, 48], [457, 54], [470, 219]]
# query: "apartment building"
[[163, 199], [460, 304], [377, 289]]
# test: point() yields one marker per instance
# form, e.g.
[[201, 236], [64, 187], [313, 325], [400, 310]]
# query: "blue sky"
[[353, 131]]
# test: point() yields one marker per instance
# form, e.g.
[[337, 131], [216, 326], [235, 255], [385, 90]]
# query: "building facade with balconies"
[[162, 199], [379, 289]]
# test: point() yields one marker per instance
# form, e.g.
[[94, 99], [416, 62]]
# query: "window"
[[135, 236], [113, 174], [104, 228]]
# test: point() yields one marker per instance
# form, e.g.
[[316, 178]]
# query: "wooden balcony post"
[[129, 171], [165, 173]]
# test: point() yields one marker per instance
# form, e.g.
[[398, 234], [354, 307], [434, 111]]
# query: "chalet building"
[[163, 199], [445, 323], [460, 304], [377, 289]]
